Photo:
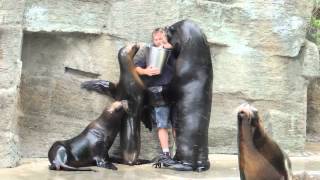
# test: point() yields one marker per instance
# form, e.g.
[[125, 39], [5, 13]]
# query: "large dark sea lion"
[[131, 88], [191, 91], [260, 158], [91, 146]]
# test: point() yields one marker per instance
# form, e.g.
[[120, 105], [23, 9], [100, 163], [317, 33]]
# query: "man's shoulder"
[[143, 47]]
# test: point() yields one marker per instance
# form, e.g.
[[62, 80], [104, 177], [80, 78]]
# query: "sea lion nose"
[[242, 115], [125, 104]]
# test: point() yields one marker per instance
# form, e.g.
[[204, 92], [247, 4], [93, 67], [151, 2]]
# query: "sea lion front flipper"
[[101, 86]]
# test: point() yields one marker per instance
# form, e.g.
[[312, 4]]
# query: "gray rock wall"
[[259, 54], [10, 71], [53, 105]]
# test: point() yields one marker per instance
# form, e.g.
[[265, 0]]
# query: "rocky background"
[[259, 51]]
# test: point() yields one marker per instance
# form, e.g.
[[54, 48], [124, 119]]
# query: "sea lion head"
[[117, 105], [183, 33], [127, 67], [174, 35], [126, 54], [249, 113]]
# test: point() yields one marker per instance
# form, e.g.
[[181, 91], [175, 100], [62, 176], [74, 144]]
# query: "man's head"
[[158, 36]]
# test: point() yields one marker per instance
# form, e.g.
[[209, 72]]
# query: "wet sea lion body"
[[90, 147], [131, 88], [260, 158], [191, 92]]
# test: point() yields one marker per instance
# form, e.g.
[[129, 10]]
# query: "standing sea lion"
[[260, 158], [131, 88], [191, 92], [91, 146]]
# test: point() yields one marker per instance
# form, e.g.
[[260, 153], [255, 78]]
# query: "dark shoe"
[[202, 166], [182, 167], [199, 167], [164, 160]]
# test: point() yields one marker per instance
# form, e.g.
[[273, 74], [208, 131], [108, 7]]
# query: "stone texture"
[[11, 12], [311, 70], [262, 25], [10, 70], [66, 16], [53, 105], [282, 126], [9, 140], [311, 62], [245, 24], [265, 82]]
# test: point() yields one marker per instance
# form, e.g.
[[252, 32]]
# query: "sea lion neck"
[[245, 133]]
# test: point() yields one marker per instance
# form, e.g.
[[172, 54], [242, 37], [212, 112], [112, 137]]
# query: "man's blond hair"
[[158, 30]]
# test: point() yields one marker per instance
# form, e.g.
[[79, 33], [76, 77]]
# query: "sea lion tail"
[[288, 167], [70, 168], [58, 164], [100, 86], [57, 158]]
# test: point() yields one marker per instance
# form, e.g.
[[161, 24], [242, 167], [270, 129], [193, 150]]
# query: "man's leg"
[[162, 119], [164, 139]]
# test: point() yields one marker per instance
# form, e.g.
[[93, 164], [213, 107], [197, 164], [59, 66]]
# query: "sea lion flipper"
[[59, 165], [101, 86], [146, 117], [70, 168], [111, 166]]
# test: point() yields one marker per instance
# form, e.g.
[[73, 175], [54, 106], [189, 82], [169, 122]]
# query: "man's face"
[[158, 39]]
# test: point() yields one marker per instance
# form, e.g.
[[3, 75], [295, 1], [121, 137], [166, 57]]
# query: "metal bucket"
[[157, 57]]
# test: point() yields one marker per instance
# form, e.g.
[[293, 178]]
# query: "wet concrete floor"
[[222, 167]]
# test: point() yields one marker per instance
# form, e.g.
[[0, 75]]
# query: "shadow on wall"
[[313, 111], [52, 104]]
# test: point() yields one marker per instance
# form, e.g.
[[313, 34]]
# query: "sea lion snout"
[[115, 106], [249, 113], [247, 109], [242, 115], [125, 105], [130, 50]]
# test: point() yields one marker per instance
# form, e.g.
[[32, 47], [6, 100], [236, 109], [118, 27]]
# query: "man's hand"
[[149, 71]]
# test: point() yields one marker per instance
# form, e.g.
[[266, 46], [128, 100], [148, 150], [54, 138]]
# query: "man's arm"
[[140, 63], [149, 71]]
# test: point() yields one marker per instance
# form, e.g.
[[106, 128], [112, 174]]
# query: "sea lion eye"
[[255, 119], [171, 29]]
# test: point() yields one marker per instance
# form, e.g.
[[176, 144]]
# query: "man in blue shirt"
[[157, 83]]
